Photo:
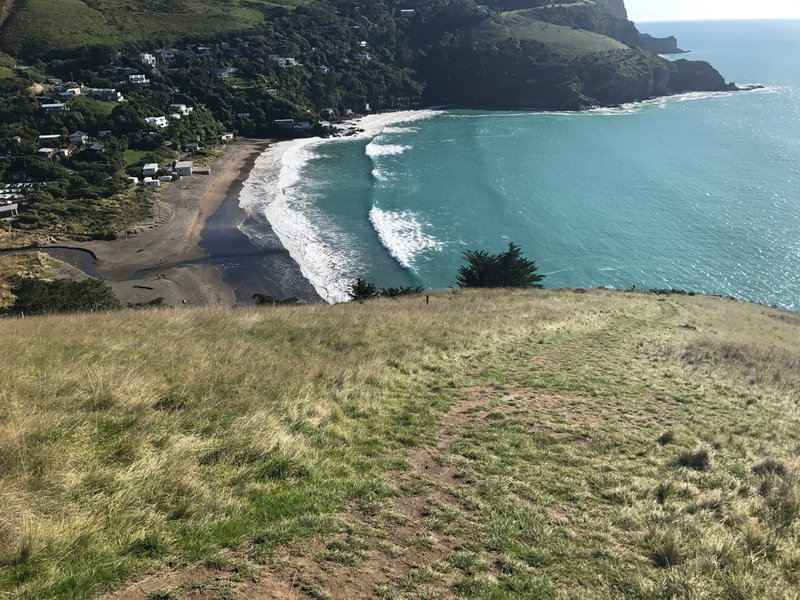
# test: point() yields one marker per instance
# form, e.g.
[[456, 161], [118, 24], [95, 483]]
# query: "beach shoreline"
[[166, 259]]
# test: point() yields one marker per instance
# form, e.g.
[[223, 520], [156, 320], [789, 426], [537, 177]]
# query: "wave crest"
[[401, 234]]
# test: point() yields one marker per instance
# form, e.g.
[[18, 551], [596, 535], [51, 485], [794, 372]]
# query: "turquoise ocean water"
[[698, 192]]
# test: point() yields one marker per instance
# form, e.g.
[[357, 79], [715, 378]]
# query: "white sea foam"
[[378, 175], [271, 191], [400, 129], [374, 149], [402, 235]]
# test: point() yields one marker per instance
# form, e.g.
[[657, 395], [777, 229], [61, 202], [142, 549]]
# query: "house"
[[184, 167], [243, 115], [138, 79], [49, 136], [150, 182], [66, 96], [191, 147], [181, 109], [146, 59], [54, 107], [283, 123], [407, 12], [167, 57], [78, 138], [46, 152], [224, 72], [150, 169], [165, 178], [324, 69], [283, 61], [9, 210], [226, 137], [157, 121], [64, 152], [106, 94], [132, 180], [203, 50], [364, 55], [97, 150]]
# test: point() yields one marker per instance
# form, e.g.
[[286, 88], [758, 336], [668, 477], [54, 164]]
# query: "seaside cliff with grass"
[[484, 444]]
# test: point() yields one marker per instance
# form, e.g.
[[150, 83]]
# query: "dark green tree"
[[506, 269], [363, 290], [37, 296]]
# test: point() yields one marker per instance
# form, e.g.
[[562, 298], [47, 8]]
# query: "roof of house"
[[149, 166], [184, 164]]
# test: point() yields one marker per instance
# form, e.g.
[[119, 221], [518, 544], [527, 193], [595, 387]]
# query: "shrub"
[[37, 297], [699, 460], [665, 548]]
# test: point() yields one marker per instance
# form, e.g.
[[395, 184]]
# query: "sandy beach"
[[162, 250]]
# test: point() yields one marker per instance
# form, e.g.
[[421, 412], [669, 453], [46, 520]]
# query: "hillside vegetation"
[[493, 444], [36, 26]]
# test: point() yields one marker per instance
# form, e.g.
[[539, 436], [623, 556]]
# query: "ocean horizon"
[[698, 191]]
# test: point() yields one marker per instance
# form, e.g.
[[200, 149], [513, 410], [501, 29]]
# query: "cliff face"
[[615, 8]]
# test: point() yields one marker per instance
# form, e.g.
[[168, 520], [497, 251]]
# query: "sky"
[[697, 10]]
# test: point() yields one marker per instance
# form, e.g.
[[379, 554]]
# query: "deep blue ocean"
[[698, 192]]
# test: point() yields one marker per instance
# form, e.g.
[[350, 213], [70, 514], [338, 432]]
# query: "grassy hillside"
[[544, 444], [41, 25], [567, 41]]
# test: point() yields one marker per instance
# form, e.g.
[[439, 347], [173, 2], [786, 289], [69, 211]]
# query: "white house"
[[138, 79], [132, 180], [157, 121], [150, 182], [181, 109], [184, 167], [150, 169], [226, 137], [147, 59], [78, 138], [107, 94]]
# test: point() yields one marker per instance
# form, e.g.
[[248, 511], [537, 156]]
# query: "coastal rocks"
[[697, 76], [665, 45]]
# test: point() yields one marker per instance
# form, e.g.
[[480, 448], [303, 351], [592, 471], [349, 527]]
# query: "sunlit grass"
[[620, 445]]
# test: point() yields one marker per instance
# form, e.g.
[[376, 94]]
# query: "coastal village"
[[118, 124]]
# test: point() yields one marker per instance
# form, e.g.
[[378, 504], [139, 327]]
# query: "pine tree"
[[506, 269]]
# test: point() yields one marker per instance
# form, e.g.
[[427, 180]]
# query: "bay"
[[698, 192]]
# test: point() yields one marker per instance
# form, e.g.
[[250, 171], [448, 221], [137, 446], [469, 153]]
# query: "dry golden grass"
[[657, 435]]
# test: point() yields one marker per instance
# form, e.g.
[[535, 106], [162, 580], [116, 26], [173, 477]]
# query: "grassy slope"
[[489, 445], [522, 24], [39, 25]]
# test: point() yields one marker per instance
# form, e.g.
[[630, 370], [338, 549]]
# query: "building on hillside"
[[146, 59], [243, 115], [407, 12], [150, 169], [160, 121], [166, 56], [49, 137], [78, 138], [54, 107], [106, 94], [46, 152], [181, 109], [226, 137], [138, 79], [224, 72], [97, 150], [132, 180], [191, 147], [150, 182], [184, 167], [64, 152], [9, 210]]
